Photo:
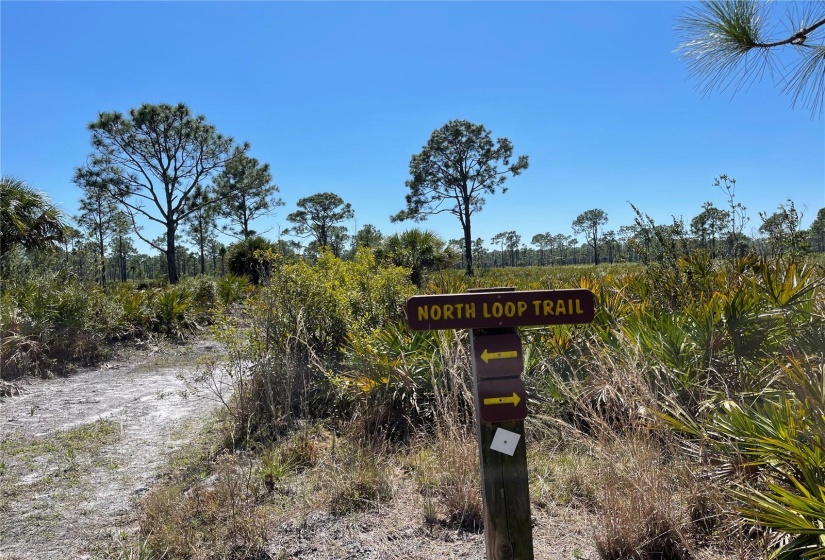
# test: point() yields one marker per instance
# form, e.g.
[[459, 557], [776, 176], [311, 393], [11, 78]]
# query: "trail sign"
[[500, 395], [498, 355], [482, 310], [502, 400]]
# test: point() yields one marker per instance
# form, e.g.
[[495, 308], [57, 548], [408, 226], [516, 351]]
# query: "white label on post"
[[505, 441]]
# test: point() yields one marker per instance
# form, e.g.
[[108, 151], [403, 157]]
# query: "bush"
[[231, 288], [204, 291], [245, 258], [299, 323], [50, 320], [134, 308], [771, 452], [404, 380]]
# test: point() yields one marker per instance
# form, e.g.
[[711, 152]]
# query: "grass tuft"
[[640, 513]]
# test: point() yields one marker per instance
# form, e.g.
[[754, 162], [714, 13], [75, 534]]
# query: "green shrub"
[[135, 309], [772, 453], [299, 323], [50, 320], [230, 289], [174, 312], [404, 380], [204, 291], [245, 258]]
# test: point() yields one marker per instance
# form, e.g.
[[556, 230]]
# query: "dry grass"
[[354, 475], [338, 496], [446, 473], [642, 512], [222, 517], [563, 477]]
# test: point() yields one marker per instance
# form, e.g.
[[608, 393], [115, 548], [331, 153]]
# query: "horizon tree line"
[[166, 165]]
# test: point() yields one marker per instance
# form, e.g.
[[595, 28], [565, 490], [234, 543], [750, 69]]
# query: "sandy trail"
[[77, 452]]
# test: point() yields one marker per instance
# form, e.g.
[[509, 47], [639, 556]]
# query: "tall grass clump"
[[641, 514], [222, 519], [353, 478], [446, 472]]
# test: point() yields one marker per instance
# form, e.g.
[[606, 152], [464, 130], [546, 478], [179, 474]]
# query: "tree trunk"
[[468, 247], [171, 262], [102, 254], [203, 253], [122, 260], [595, 249]]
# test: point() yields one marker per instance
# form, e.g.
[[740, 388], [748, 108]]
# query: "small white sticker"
[[505, 441]]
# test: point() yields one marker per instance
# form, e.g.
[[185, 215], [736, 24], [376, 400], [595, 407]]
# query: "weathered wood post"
[[501, 406], [500, 394]]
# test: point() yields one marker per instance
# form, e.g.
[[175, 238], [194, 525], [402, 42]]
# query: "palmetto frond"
[[27, 218]]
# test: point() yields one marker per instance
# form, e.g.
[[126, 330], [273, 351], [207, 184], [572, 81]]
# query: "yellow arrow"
[[487, 356], [515, 399]]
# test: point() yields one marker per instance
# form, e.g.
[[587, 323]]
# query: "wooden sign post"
[[500, 394]]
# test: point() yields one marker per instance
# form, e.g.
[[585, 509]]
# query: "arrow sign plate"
[[497, 355], [502, 400]]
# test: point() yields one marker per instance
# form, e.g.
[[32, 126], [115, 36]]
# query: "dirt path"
[[76, 453]]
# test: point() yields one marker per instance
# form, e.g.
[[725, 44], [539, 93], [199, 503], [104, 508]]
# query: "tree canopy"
[[100, 216], [247, 192], [816, 233], [317, 216], [368, 236], [783, 231], [419, 250], [708, 224], [458, 166], [153, 159], [27, 217], [729, 43], [588, 223], [201, 223]]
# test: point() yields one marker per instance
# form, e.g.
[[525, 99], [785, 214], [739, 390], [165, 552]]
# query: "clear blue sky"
[[338, 97]]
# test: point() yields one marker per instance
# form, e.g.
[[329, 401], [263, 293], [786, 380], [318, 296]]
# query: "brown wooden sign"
[[502, 400], [498, 355], [500, 309], [500, 395]]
